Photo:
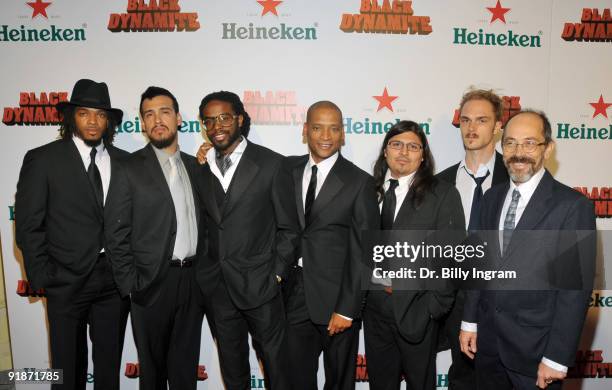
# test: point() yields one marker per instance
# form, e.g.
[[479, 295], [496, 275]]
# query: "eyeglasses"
[[224, 119], [399, 145], [528, 146]]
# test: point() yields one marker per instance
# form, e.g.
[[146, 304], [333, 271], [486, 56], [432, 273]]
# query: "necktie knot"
[[223, 162], [516, 195], [481, 179], [393, 184], [314, 170], [92, 154]]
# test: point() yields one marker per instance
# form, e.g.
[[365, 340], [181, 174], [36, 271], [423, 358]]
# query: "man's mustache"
[[520, 160]]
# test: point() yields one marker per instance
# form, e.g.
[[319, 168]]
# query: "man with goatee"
[[252, 238], [153, 240], [62, 198]]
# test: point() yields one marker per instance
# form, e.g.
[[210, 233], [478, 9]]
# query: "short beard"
[[522, 160], [92, 142], [233, 138], [163, 143]]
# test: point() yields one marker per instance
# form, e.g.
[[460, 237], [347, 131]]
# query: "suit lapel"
[[538, 205], [112, 152], [537, 208], [76, 161], [245, 173], [405, 213], [298, 175], [155, 171], [332, 185], [210, 198], [500, 173]]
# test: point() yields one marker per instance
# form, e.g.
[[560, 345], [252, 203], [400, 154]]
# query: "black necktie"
[[388, 208], [310, 194], [475, 210], [94, 177]]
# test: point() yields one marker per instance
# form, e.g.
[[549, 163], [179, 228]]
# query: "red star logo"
[[269, 6], [385, 100], [39, 8], [498, 12], [600, 107]]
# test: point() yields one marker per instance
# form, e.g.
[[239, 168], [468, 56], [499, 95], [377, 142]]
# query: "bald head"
[[326, 104], [539, 116]]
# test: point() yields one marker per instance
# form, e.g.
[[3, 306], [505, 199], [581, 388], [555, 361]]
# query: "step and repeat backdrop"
[[380, 61]]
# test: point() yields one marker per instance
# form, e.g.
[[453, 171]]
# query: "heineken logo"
[[509, 38]]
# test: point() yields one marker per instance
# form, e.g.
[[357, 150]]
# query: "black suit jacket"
[[500, 173], [141, 228], [331, 245], [59, 224], [440, 209], [524, 326], [253, 236]]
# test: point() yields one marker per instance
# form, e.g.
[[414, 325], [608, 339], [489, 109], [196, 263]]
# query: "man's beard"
[[524, 177], [92, 142], [163, 143], [230, 141]]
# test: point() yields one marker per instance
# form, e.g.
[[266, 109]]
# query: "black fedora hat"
[[88, 93]]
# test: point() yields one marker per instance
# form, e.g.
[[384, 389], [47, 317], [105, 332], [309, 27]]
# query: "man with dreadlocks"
[[60, 196]]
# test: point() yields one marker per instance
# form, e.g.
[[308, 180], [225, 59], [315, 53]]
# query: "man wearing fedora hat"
[[60, 196]]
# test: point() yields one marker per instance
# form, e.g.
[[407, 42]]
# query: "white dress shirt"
[[102, 161], [526, 190], [466, 185], [235, 157], [403, 186]]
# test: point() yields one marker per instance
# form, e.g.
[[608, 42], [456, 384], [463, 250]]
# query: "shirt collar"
[[404, 181], [211, 154], [528, 188], [85, 149], [163, 156], [323, 167], [482, 168]]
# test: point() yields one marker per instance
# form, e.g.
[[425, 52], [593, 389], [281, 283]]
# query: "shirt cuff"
[[469, 326], [554, 365], [345, 317]]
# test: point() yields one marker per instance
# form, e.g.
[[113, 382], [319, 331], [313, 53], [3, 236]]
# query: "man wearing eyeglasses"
[[480, 121], [252, 239], [524, 338], [336, 202]]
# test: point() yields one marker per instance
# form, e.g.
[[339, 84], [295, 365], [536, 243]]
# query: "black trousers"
[[307, 340], [461, 374], [167, 333], [267, 326], [98, 305], [492, 374], [389, 354]]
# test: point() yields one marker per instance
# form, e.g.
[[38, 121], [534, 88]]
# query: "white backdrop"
[[46, 47]]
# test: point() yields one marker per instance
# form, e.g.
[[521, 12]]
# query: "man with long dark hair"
[[252, 238], [153, 243], [400, 326], [61, 198], [336, 202]]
